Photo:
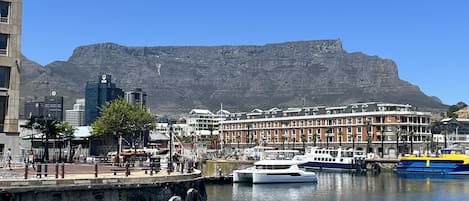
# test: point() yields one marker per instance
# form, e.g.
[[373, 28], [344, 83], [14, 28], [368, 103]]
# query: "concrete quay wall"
[[160, 188], [224, 167]]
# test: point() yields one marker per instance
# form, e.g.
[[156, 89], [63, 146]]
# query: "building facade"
[[33, 109], [359, 124], [97, 94], [53, 107], [76, 116], [137, 96], [10, 62]]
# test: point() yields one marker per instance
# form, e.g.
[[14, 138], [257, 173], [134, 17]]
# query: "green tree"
[[118, 118], [67, 131], [49, 128], [397, 133], [411, 135]]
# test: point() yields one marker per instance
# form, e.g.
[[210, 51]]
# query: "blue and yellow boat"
[[451, 161]]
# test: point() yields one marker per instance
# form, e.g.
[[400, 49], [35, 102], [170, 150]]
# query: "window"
[[4, 77], [3, 111], [4, 8], [4, 44]]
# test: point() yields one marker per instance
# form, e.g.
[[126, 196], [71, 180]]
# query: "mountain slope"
[[180, 78]]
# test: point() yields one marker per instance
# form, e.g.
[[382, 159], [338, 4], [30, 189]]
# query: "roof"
[[82, 132], [158, 137], [200, 111]]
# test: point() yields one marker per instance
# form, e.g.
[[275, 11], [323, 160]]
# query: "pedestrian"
[[9, 158]]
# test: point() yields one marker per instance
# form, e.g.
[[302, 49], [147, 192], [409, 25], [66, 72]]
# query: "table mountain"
[[180, 78]]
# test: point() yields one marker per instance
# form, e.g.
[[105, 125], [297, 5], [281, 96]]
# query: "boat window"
[[334, 153], [341, 160]]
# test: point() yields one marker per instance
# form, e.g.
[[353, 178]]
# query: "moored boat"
[[451, 161], [280, 166], [334, 159]]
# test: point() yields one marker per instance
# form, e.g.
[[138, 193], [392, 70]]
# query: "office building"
[[97, 94], [10, 62], [33, 109], [137, 96], [53, 107], [76, 116]]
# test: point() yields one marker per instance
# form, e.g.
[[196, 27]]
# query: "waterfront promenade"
[[80, 182]]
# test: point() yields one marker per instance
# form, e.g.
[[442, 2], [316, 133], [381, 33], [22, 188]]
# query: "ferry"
[[279, 166], [451, 161], [334, 159]]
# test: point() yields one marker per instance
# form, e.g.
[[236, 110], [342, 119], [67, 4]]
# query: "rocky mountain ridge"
[[180, 78]]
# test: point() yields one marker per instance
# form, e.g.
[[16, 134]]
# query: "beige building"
[[360, 125], [10, 61]]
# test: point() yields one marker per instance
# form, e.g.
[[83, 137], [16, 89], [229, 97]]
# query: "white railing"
[[3, 19], [3, 52]]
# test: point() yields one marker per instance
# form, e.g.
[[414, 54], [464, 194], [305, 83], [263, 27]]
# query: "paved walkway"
[[81, 171]]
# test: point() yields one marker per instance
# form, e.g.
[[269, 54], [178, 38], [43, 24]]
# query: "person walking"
[[9, 158]]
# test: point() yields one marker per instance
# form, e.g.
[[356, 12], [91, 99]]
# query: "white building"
[[76, 116]]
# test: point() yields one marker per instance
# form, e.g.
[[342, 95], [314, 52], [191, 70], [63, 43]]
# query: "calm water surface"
[[349, 187]]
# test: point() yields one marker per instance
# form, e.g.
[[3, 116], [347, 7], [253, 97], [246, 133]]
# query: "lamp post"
[[382, 144]]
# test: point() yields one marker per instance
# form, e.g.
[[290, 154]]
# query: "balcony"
[[3, 52], [4, 20]]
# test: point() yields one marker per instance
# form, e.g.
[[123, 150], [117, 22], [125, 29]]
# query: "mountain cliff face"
[[178, 79]]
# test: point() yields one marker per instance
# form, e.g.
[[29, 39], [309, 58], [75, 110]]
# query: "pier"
[[84, 184]]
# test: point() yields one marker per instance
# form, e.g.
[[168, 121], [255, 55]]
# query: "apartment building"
[[358, 124]]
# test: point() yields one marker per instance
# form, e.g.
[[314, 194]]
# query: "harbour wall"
[[224, 168], [103, 189]]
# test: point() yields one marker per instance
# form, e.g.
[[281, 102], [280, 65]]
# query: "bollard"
[[151, 169], [26, 170], [96, 170], [45, 168], [63, 170], [56, 170], [38, 170], [127, 172]]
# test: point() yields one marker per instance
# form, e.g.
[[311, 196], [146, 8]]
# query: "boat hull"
[[330, 166], [432, 168], [277, 177]]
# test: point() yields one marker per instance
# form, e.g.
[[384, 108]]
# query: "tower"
[[97, 94]]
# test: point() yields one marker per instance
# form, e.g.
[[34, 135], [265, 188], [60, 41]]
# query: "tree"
[[315, 137], [68, 131], [49, 128], [340, 138], [397, 133], [382, 142], [354, 135], [411, 135], [303, 140], [368, 125], [122, 118]]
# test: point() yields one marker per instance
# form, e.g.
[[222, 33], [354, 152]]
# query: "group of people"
[[179, 162]]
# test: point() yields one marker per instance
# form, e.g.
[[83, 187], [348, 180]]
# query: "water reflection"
[[348, 187]]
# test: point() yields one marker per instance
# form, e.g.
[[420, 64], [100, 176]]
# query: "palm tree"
[[368, 125], [382, 142], [432, 126], [340, 138], [354, 135], [315, 136], [397, 133], [283, 141], [411, 135], [303, 140]]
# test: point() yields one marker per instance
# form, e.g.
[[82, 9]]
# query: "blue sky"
[[427, 39]]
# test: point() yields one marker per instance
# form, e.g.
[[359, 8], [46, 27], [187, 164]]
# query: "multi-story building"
[[202, 122], [360, 125], [137, 96], [97, 94], [10, 62], [455, 130], [53, 107], [33, 109], [76, 116]]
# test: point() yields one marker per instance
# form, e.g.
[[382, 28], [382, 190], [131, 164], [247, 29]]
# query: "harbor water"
[[348, 187]]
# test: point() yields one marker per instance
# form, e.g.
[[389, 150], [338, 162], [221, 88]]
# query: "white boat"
[[333, 159], [279, 166]]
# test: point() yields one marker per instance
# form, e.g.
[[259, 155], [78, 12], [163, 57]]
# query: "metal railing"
[[3, 19], [3, 52]]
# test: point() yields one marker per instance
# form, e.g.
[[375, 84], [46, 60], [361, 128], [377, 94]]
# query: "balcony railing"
[[3, 19], [3, 52]]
